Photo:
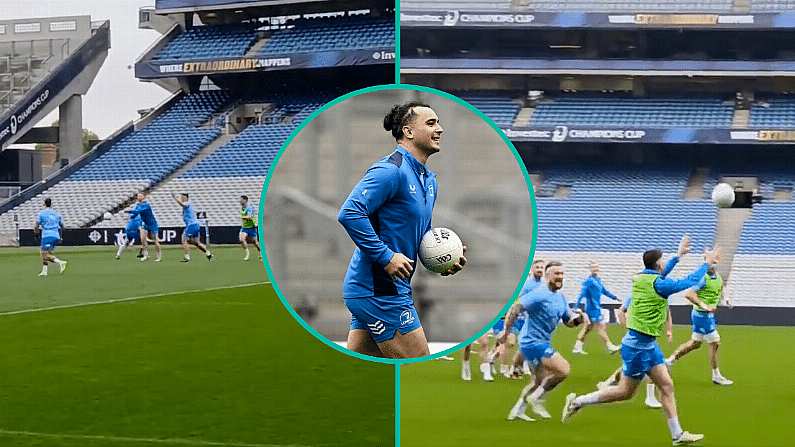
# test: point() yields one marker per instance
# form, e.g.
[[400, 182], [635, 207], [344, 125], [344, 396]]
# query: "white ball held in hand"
[[440, 248]]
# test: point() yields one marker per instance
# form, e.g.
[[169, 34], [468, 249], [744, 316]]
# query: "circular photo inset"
[[397, 223]]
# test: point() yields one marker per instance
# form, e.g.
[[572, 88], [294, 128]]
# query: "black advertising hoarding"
[[108, 236], [322, 59], [518, 19]]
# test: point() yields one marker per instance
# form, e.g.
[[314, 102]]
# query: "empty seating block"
[[622, 111], [209, 42], [775, 112], [499, 107], [348, 33], [649, 201]]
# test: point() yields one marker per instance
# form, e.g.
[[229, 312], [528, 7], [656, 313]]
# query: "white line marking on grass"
[[131, 298], [172, 441]]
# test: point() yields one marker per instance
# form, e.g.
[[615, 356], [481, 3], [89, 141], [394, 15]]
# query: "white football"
[[440, 248], [723, 195], [107, 215]]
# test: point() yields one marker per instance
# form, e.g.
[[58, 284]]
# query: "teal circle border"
[[264, 197]]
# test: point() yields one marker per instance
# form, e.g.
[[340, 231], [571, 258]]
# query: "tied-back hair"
[[399, 116]]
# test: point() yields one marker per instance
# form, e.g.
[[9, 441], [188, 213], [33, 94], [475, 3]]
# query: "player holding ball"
[[386, 215]]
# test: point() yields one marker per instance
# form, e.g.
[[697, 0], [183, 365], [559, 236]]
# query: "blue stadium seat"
[[205, 42], [310, 35]]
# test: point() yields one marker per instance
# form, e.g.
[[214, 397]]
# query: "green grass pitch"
[[220, 367], [439, 409]]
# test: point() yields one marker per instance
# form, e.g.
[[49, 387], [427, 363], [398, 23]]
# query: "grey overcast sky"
[[116, 95]]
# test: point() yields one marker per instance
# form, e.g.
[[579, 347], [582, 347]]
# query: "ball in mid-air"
[[440, 248], [107, 215], [723, 195]]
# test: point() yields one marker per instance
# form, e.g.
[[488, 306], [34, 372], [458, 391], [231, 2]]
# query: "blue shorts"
[[154, 228], [595, 315], [133, 235], [381, 316], [191, 231], [249, 232], [703, 322], [638, 362], [49, 243], [533, 353]]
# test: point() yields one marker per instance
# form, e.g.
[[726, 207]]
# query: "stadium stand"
[[134, 163], [499, 107], [332, 34], [209, 42], [774, 111], [630, 111]]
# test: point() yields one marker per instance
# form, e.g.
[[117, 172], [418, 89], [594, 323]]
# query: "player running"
[[639, 349], [190, 235], [544, 307], [592, 290], [132, 234], [150, 229], [485, 365], [50, 223], [651, 400], [705, 297], [386, 215], [515, 370], [248, 227]]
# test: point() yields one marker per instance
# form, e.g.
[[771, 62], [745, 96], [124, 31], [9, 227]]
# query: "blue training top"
[[50, 222], [188, 215], [134, 223], [592, 290], [544, 310], [387, 212], [144, 209], [530, 284]]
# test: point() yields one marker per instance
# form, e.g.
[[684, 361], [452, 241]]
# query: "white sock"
[[650, 391], [587, 399], [578, 345], [57, 261], [676, 429], [187, 257], [44, 268], [121, 249], [247, 252], [538, 393], [716, 372]]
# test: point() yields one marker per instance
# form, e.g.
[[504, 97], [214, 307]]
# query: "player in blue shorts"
[[248, 227], [705, 297], [150, 228], [190, 235], [49, 222], [386, 215], [544, 307], [131, 235], [639, 349], [592, 290]]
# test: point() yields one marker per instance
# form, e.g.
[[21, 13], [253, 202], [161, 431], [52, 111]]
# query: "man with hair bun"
[[386, 215]]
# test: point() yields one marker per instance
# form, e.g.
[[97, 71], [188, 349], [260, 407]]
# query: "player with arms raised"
[[639, 349], [49, 222], [248, 227], [592, 290]]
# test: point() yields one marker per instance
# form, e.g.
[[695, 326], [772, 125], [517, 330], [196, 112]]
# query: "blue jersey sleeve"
[[608, 293], [667, 287], [565, 316], [583, 291], [669, 266], [135, 212], [700, 284], [376, 187], [626, 303]]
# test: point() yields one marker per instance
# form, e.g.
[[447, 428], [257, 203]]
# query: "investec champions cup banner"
[[516, 19], [321, 59], [574, 134], [110, 236]]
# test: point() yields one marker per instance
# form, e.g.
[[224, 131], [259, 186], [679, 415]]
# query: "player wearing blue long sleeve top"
[[386, 215], [592, 290], [150, 228]]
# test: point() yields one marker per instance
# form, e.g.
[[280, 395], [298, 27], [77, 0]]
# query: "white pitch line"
[[171, 441], [131, 298]]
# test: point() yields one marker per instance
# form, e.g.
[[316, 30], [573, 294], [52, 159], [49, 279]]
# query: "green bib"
[[710, 294], [649, 310], [246, 223]]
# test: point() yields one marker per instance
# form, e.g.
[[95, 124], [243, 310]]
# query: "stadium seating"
[[332, 34], [210, 41], [616, 110], [134, 163], [586, 219], [772, 5], [774, 112], [499, 107]]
